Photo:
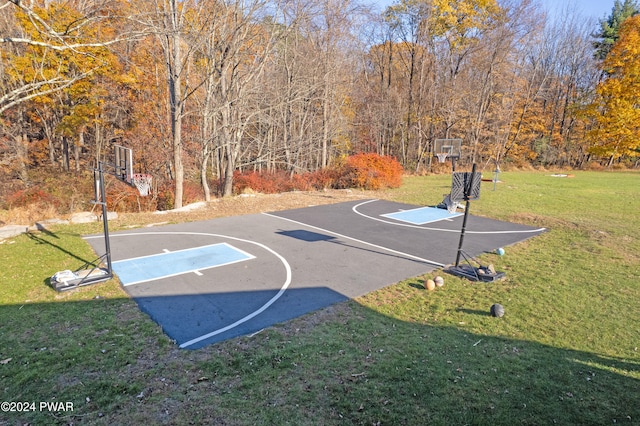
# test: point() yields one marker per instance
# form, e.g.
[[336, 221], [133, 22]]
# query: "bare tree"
[[408, 20], [493, 68]]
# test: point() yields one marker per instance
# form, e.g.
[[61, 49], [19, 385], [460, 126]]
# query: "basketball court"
[[209, 281]]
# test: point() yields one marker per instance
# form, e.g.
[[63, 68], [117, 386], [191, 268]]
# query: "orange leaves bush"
[[364, 171], [48, 193], [323, 178], [372, 171]]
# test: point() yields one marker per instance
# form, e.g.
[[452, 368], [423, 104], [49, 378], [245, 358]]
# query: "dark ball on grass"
[[497, 310]]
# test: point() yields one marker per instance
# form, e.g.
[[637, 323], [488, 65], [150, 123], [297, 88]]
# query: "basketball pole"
[[105, 219], [467, 195]]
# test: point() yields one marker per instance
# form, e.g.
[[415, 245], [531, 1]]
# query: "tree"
[[291, 112], [331, 34], [412, 21], [33, 24], [60, 67], [169, 26], [242, 49], [615, 108], [610, 27], [558, 73]]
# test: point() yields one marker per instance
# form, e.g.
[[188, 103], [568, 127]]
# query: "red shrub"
[[301, 182], [124, 198], [31, 196], [324, 178], [263, 182], [191, 193], [166, 197], [282, 181], [367, 171], [372, 171]]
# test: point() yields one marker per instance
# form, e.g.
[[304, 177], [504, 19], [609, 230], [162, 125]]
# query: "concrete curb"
[[9, 231]]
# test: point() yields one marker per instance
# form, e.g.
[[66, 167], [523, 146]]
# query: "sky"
[[596, 9]]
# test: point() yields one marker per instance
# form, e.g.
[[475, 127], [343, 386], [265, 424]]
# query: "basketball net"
[[442, 156], [142, 182]]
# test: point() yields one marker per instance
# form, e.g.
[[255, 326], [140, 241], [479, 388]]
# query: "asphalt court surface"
[[209, 281]]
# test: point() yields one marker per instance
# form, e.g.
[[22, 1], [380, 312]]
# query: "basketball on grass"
[[500, 251], [497, 310], [429, 284], [439, 281]]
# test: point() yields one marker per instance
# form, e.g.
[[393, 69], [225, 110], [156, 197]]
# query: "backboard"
[[123, 163], [452, 147], [465, 186]]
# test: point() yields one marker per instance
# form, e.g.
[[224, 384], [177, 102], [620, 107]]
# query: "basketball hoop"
[[442, 156], [143, 182]]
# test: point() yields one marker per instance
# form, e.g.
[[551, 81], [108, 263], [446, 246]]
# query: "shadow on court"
[[194, 321]]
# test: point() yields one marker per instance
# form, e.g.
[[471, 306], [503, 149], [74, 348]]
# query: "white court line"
[[244, 319], [432, 262], [457, 231]]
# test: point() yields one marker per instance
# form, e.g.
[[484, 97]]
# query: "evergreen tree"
[[610, 27]]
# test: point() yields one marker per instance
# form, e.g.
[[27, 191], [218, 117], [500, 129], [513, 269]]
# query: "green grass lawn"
[[566, 351]]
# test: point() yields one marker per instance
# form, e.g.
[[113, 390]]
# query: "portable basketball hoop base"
[[67, 280], [466, 187], [94, 272], [474, 273]]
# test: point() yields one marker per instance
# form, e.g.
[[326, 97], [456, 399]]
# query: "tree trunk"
[[65, 154], [77, 149], [175, 93], [22, 154], [203, 175], [228, 173]]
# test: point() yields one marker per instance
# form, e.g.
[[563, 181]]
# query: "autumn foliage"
[[372, 171], [362, 171], [219, 100], [615, 107], [31, 196]]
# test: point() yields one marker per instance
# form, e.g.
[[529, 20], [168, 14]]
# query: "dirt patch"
[[250, 203], [544, 221], [245, 204]]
